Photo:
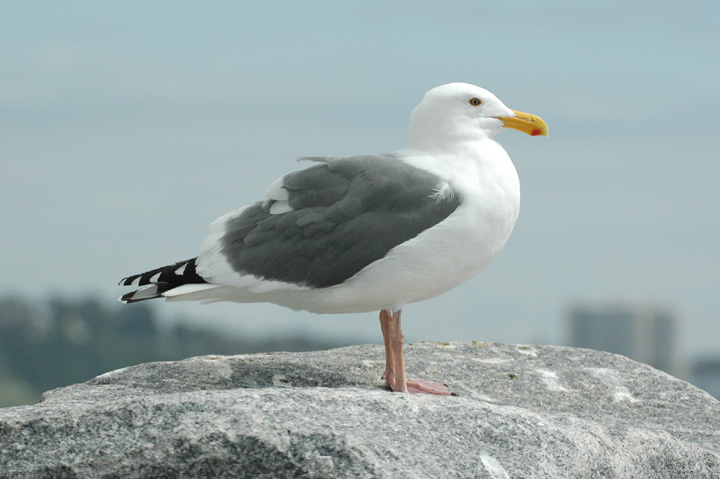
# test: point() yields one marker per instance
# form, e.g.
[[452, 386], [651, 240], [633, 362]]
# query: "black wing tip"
[[127, 281], [182, 272], [150, 291], [142, 294], [155, 283]]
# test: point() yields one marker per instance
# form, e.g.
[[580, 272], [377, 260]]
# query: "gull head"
[[460, 112]]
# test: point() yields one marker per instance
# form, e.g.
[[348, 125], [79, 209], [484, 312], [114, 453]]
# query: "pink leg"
[[395, 360], [386, 318]]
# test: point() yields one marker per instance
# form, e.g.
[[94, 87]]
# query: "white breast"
[[450, 253]]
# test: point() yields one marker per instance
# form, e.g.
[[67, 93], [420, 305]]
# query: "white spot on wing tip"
[[181, 270], [146, 292], [155, 277]]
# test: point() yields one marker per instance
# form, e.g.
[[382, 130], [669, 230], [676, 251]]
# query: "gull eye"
[[475, 101]]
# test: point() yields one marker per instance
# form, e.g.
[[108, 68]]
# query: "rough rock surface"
[[520, 412]]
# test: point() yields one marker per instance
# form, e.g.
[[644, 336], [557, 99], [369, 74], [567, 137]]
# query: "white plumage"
[[470, 184]]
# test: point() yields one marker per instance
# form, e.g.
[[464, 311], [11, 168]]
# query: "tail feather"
[[160, 280]]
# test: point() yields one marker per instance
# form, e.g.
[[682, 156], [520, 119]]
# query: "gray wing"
[[340, 217]]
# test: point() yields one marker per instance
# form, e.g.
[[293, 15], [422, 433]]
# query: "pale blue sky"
[[125, 128]]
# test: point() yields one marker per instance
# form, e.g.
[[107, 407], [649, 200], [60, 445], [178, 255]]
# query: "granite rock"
[[520, 412]]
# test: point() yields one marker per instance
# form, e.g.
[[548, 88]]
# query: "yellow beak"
[[525, 122]]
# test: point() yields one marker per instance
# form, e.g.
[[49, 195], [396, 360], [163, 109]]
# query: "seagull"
[[371, 232]]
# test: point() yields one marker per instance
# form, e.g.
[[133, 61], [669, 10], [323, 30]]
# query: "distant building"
[[705, 374], [645, 334]]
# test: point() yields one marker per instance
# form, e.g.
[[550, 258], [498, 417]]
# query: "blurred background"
[[126, 128]]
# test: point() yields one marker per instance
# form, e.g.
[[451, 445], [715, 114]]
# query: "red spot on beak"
[[535, 132]]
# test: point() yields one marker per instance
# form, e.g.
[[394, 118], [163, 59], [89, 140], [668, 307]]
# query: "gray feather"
[[346, 214]]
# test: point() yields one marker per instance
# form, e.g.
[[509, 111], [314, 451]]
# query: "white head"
[[460, 112]]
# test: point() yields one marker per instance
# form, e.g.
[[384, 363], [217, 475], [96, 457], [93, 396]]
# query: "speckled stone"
[[520, 412]]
